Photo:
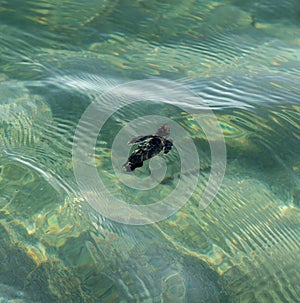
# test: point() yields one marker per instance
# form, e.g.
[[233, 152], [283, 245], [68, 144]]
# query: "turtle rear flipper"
[[129, 166]]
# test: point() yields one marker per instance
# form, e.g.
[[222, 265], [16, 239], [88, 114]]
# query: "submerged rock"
[[23, 115]]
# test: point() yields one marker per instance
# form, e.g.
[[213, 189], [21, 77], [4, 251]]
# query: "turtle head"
[[163, 131]]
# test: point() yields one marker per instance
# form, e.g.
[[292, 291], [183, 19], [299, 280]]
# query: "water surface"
[[241, 59]]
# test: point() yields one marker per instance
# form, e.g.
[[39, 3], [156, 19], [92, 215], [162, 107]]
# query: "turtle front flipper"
[[137, 139], [168, 146]]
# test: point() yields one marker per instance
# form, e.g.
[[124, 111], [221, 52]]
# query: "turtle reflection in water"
[[148, 147]]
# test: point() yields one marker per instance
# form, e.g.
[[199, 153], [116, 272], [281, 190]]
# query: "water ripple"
[[241, 59]]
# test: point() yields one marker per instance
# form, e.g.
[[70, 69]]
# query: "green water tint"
[[235, 248], [103, 153], [188, 41], [61, 253], [21, 114], [244, 246]]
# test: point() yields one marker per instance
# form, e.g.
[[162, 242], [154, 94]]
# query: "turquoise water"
[[240, 59]]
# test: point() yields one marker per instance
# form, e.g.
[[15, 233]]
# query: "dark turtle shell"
[[148, 147]]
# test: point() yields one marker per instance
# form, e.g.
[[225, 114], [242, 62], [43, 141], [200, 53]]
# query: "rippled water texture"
[[241, 59]]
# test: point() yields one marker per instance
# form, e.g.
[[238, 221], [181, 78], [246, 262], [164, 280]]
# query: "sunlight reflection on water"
[[57, 58]]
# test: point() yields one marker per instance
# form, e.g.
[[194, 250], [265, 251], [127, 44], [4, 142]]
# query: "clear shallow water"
[[57, 58]]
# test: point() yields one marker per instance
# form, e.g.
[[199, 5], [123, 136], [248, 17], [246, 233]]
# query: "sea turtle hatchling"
[[148, 147]]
